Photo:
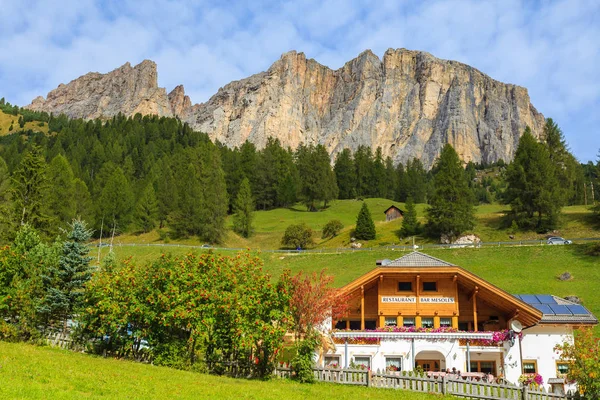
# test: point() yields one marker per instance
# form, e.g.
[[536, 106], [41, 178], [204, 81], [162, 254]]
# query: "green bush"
[[298, 236], [332, 229], [302, 363]]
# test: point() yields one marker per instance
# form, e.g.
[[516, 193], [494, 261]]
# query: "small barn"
[[393, 213]]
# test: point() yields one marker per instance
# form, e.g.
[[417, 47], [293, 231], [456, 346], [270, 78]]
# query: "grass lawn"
[[30, 372], [577, 222]]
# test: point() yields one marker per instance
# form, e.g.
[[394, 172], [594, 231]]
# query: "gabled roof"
[[416, 263], [418, 259], [557, 310], [393, 206]]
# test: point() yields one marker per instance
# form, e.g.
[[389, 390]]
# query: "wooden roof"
[[423, 264], [393, 206]]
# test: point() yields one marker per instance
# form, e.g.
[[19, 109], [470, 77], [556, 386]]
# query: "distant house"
[[393, 213]]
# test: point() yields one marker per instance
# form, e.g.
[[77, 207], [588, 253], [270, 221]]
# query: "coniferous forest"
[[142, 173]]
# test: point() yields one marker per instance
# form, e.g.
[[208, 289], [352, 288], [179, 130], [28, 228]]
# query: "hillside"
[[409, 103], [516, 269], [32, 372], [270, 226], [6, 120]]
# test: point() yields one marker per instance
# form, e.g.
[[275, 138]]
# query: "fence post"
[[368, 378], [525, 393], [444, 384]]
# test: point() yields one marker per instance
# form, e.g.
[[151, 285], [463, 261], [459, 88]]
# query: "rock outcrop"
[[127, 90], [409, 103]]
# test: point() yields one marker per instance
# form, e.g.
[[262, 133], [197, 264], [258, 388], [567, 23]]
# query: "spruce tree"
[[5, 202], [345, 174], [451, 212], [146, 210], [215, 200], [410, 225], [566, 167], [83, 200], [61, 194], [363, 164], [64, 282], [365, 228], [30, 189], [532, 186], [243, 210], [116, 201]]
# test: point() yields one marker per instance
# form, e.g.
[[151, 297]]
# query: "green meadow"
[[30, 372]]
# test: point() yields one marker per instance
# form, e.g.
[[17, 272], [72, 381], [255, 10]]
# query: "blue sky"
[[550, 47]]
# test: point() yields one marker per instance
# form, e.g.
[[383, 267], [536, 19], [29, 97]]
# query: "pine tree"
[[401, 183], [29, 191], [243, 210], [146, 210], [532, 186], [566, 167], [215, 201], [187, 213], [83, 200], [345, 174], [410, 224], [166, 194], [378, 180], [61, 194], [363, 164], [5, 202], [64, 283], [116, 201], [451, 212], [416, 181], [365, 228]]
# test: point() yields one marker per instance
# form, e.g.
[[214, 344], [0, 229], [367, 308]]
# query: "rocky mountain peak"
[[408, 102]]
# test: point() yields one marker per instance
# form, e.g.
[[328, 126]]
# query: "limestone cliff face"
[[128, 90], [409, 103]]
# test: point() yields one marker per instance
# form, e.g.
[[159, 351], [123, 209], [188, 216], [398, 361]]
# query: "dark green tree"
[[378, 176], [187, 213], [532, 186], [215, 204], [410, 224], [416, 181], [243, 210], [451, 212], [401, 184], [83, 200], [61, 193], [116, 202], [65, 282], [5, 202], [363, 164], [365, 228], [345, 174], [30, 190], [146, 210], [567, 170]]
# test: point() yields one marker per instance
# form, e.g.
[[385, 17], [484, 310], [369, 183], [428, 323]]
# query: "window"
[[483, 366], [391, 321], [562, 368], [463, 326], [427, 322], [445, 322], [393, 363], [405, 286], [362, 362], [370, 324], [529, 366], [409, 321], [355, 325], [430, 286], [332, 361]]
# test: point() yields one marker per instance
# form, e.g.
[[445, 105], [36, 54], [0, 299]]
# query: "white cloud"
[[552, 48]]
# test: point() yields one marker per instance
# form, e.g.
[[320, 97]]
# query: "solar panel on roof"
[[518, 296], [560, 310], [530, 299], [578, 310], [544, 308], [546, 299]]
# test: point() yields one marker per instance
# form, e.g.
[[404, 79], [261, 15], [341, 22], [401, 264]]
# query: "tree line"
[[140, 173]]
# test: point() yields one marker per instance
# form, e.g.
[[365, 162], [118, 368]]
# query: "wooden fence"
[[468, 387]]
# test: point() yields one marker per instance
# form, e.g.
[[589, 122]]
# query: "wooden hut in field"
[[393, 213]]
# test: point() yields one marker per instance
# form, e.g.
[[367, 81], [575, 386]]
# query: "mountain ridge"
[[409, 103]]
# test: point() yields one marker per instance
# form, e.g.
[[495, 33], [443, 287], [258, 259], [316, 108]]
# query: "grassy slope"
[[41, 373], [526, 269], [7, 119], [578, 222]]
